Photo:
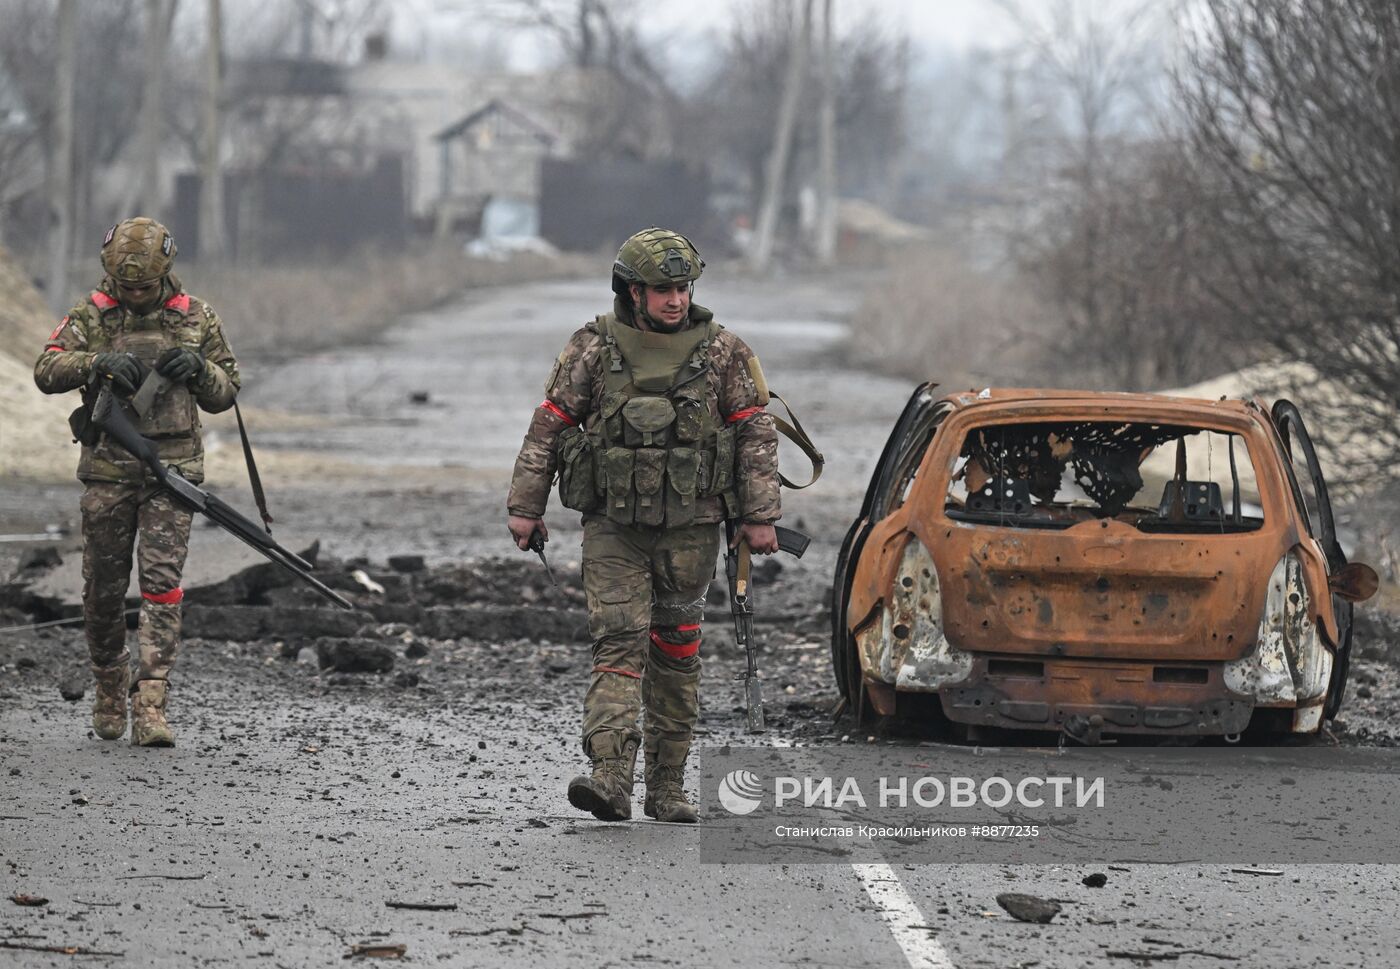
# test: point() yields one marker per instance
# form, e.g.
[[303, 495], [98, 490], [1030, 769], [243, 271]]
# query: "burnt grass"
[[494, 632]]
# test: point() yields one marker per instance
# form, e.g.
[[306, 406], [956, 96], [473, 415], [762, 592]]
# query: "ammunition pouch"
[[578, 478], [617, 465], [80, 423]]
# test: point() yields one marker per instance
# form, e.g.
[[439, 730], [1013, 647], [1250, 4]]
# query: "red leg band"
[[164, 598]]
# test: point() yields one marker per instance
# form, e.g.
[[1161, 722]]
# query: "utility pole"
[[61, 175], [782, 140], [211, 180], [826, 147]]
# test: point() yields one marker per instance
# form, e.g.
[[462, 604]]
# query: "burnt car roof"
[[1028, 399]]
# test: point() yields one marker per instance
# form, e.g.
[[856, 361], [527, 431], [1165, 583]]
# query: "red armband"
[[558, 412], [740, 415]]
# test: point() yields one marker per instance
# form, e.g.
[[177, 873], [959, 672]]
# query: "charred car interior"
[[1097, 564]]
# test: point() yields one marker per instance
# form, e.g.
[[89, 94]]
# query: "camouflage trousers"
[[646, 599], [114, 517]]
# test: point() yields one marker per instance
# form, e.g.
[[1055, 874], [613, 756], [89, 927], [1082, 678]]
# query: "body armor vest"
[[657, 445], [173, 420]]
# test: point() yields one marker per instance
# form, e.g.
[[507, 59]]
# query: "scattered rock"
[[1096, 880], [242, 623], [74, 685], [415, 650], [354, 655], [39, 559], [363, 580], [1028, 908], [25, 663], [406, 680], [407, 563]]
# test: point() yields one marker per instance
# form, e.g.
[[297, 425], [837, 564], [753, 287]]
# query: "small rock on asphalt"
[[1095, 880], [354, 655], [1028, 908], [39, 559], [73, 686], [406, 563]]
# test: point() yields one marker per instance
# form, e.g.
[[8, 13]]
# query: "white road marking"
[[903, 918]]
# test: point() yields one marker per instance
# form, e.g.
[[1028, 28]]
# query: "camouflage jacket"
[[99, 324], [576, 384]]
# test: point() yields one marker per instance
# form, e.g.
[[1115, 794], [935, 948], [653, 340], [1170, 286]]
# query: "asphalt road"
[[297, 806]]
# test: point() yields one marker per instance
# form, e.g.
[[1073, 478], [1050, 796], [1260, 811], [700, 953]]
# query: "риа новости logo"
[[740, 792]]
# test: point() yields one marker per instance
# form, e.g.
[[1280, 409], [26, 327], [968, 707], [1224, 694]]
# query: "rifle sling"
[[795, 433], [253, 478]]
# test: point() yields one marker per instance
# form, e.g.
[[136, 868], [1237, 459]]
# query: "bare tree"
[[1295, 114], [61, 173], [826, 146], [628, 104], [781, 142], [1088, 71], [146, 197], [212, 243]]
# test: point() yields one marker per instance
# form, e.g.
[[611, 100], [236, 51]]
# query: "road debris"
[[1028, 908], [1095, 880], [423, 906], [354, 655], [74, 685], [63, 950], [32, 901], [1257, 871], [365, 582], [377, 950], [1167, 956]]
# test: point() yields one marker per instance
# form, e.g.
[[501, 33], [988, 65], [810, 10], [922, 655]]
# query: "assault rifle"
[[736, 567], [110, 416]]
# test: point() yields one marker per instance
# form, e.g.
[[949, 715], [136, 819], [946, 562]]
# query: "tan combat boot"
[[607, 793], [148, 726], [109, 700], [665, 779]]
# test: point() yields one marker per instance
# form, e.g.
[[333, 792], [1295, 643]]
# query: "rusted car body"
[[1007, 560]]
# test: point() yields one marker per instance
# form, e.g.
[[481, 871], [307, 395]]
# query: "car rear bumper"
[[1140, 697]]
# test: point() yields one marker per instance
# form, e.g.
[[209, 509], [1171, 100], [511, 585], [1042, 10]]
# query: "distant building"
[[494, 152]]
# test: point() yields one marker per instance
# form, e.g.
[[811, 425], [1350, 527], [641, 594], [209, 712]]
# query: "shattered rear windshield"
[[1055, 474]]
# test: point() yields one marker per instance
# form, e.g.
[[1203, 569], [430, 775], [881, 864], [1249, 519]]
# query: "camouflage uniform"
[[653, 482], [121, 500]]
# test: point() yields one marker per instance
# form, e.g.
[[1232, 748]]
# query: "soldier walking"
[[138, 319], [654, 421]]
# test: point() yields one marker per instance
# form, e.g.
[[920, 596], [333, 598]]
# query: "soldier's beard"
[[661, 327]]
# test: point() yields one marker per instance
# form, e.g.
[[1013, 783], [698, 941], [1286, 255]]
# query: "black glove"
[[125, 371], [180, 364]]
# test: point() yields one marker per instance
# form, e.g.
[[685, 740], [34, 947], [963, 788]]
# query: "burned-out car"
[[1097, 563]]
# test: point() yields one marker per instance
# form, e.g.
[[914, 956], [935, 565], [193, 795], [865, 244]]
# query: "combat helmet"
[[138, 252], [655, 257]]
